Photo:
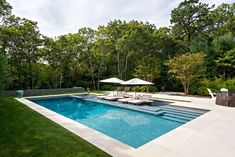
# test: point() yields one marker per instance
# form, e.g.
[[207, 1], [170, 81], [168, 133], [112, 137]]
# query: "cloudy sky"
[[57, 17]]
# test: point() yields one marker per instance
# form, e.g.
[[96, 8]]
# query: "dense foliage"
[[3, 72], [122, 49]]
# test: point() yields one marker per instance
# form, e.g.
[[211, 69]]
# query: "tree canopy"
[[124, 49], [186, 68]]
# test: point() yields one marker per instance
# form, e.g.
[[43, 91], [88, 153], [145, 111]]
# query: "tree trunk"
[[92, 72], [126, 65], [186, 88], [61, 76], [119, 69], [30, 74], [100, 69]]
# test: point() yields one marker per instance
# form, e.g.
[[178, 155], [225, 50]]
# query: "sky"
[[58, 17]]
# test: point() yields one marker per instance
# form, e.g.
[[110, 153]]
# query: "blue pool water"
[[130, 127]]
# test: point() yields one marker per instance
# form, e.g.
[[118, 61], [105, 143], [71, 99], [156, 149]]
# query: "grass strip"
[[26, 133]]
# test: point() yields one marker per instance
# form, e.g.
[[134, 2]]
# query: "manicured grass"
[[26, 133], [99, 91]]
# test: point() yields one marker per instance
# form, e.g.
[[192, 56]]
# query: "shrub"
[[143, 88], [153, 89], [194, 88], [230, 84], [135, 89], [108, 87], [215, 85], [202, 91]]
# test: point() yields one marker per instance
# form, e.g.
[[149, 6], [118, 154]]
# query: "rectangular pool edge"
[[104, 116], [122, 149]]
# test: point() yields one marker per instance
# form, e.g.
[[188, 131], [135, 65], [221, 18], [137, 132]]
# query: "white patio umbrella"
[[113, 80], [136, 82]]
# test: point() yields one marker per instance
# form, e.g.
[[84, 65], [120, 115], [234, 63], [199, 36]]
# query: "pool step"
[[174, 119], [181, 117], [181, 114], [181, 111], [184, 109]]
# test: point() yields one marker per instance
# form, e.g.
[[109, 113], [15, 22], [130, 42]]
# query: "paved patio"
[[211, 134]]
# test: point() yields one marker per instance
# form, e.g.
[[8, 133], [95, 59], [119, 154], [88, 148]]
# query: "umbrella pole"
[[135, 94]]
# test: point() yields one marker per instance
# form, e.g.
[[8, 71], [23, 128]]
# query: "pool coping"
[[108, 144]]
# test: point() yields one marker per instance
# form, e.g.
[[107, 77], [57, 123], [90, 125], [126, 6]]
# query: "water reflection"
[[133, 119]]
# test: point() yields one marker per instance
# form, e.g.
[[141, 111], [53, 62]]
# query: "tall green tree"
[[102, 54], [115, 31], [189, 18], [87, 52], [21, 42], [135, 43], [62, 53], [223, 20]]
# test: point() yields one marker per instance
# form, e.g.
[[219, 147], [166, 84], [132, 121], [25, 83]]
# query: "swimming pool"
[[128, 126]]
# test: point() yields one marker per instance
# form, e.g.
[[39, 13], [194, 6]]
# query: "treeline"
[[122, 49]]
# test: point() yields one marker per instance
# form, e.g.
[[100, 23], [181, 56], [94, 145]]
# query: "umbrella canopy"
[[136, 81], [113, 80]]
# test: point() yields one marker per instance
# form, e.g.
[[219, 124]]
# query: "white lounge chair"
[[110, 98], [224, 90], [125, 100], [114, 98], [145, 99], [103, 96], [211, 94]]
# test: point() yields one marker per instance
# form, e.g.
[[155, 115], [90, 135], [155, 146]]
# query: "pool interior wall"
[[128, 126]]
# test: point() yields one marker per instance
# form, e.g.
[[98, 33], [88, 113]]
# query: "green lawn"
[[24, 132]]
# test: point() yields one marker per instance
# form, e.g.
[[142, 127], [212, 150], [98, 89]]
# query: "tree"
[[114, 31], [87, 55], [5, 9], [189, 18], [48, 76], [136, 42], [101, 52], [187, 68], [227, 63], [224, 50], [20, 43], [61, 54], [223, 20], [148, 68], [3, 72]]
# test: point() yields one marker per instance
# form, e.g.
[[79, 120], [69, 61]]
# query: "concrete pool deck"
[[212, 134]]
